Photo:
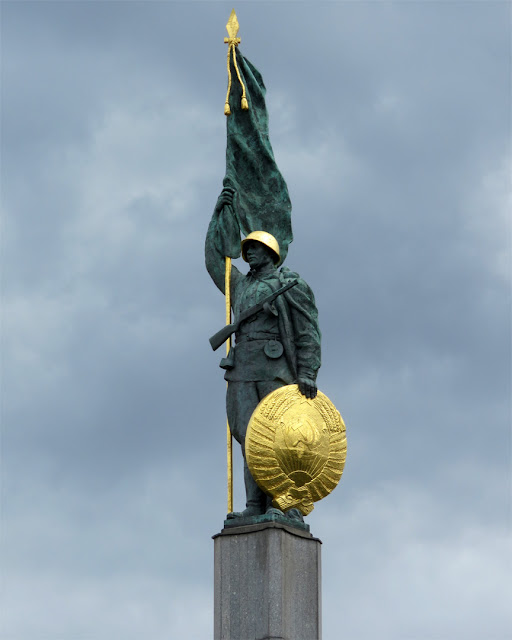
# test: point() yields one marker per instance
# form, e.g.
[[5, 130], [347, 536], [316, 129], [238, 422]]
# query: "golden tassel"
[[227, 110], [232, 42]]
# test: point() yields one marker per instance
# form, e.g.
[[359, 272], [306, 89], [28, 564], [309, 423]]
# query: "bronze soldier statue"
[[278, 346]]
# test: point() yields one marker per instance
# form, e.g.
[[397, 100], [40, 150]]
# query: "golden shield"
[[296, 447]]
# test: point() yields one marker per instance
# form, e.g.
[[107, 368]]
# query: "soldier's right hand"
[[307, 386], [225, 198]]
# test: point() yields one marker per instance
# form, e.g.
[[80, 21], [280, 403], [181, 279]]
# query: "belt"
[[257, 336]]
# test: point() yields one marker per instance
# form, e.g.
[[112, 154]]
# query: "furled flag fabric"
[[262, 202]]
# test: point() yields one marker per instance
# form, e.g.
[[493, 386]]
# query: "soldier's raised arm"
[[223, 232]]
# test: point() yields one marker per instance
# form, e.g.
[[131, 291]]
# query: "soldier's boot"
[[295, 514], [270, 510], [256, 498]]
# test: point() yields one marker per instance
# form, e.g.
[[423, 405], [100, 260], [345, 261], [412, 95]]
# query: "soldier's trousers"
[[241, 400]]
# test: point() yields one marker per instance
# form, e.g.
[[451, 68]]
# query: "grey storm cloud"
[[391, 123]]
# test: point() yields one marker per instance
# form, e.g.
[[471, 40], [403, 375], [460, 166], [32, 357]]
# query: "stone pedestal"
[[267, 583]]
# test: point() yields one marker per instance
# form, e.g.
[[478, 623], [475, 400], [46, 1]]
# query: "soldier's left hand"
[[307, 387], [225, 198]]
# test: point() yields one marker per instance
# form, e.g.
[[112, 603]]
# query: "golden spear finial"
[[232, 28], [233, 41]]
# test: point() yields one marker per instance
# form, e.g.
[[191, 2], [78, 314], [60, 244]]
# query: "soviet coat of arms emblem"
[[296, 447]]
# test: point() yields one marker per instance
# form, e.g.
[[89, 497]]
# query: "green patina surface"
[[262, 199], [281, 344], [244, 522]]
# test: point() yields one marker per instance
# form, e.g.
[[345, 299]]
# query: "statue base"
[[266, 517], [267, 582]]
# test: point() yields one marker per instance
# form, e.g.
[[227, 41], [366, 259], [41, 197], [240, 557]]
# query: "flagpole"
[[227, 289], [232, 41]]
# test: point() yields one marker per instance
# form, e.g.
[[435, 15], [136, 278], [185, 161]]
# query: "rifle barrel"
[[221, 336]]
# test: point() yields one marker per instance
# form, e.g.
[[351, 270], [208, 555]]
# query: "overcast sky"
[[391, 122]]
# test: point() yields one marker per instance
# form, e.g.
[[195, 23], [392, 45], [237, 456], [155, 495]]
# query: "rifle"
[[221, 336]]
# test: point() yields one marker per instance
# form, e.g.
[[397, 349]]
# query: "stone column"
[[267, 583]]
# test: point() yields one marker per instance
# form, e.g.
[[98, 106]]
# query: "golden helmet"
[[265, 238]]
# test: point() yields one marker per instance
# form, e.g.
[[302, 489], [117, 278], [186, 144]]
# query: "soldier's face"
[[258, 255]]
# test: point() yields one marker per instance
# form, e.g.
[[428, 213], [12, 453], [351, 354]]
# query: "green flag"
[[262, 202]]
